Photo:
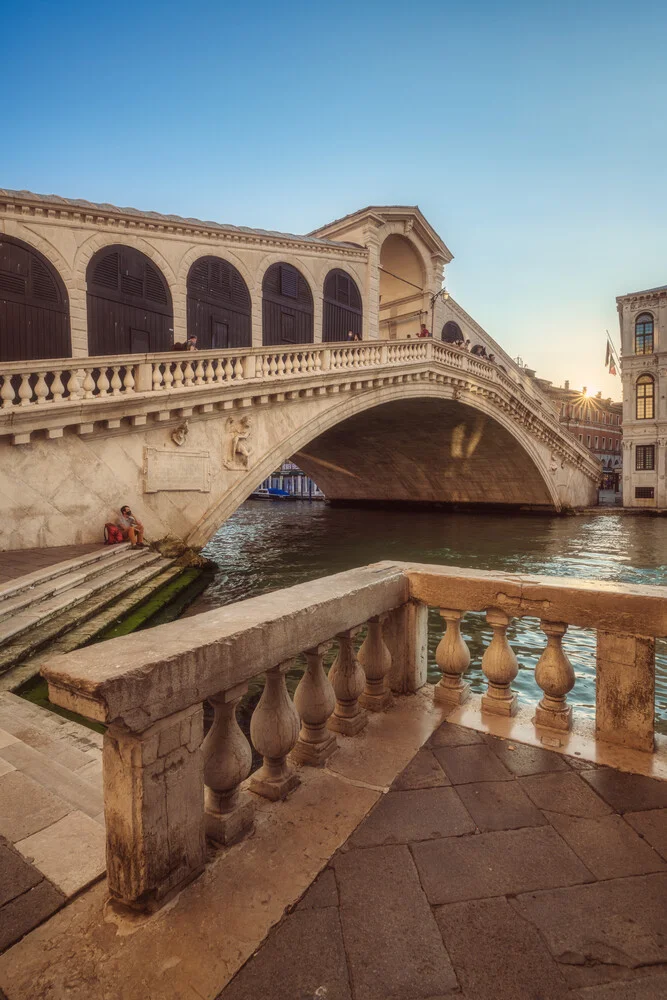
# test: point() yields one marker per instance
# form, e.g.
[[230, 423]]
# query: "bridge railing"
[[166, 788]]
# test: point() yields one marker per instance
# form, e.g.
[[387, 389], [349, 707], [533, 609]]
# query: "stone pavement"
[[491, 870], [20, 562], [52, 839]]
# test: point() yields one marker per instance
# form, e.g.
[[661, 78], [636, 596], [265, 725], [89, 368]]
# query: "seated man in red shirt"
[[423, 331]]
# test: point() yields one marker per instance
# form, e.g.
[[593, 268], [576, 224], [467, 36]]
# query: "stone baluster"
[[500, 667], [128, 379], [168, 377], [25, 389], [115, 380], [7, 393], [88, 383], [210, 372], [315, 700], [227, 762], [453, 658], [310, 364], [317, 362], [375, 660], [274, 729], [289, 363], [199, 373], [554, 674], [280, 370], [348, 680], [57, 387], [157, 377], [41, 388], [229, 370], [265, 366], [238, 369], [188, 374], [73, 386], [273, 366], [178, 375]]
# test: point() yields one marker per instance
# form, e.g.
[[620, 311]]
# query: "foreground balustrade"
[[167, 788]]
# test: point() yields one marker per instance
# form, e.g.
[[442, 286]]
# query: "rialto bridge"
[[99, 410]]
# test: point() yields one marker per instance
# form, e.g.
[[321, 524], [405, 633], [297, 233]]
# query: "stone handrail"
[[165, 789], [55, 393]]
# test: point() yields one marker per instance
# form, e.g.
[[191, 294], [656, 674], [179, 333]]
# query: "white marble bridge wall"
[[409, 441]]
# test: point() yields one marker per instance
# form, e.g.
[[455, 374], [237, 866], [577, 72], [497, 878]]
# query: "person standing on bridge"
[[424, 331]]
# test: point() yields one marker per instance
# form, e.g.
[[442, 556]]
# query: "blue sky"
[[531, 134]]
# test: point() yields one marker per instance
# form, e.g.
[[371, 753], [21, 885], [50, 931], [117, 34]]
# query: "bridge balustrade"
[[167, 789]]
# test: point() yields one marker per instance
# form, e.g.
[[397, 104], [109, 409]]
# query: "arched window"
[[644, 334], [129, 304], [451, 333], [287, 307], [218, 305], [342, 307], [34, 311], [645, 397]]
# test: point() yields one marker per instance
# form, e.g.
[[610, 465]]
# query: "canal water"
[[269, 545]]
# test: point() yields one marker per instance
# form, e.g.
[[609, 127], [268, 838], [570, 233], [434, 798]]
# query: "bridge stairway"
[[66, 605]]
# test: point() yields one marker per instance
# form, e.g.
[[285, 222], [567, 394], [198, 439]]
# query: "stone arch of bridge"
[[546, 493]]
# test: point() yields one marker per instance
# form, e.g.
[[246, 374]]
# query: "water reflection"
[[265, 546]]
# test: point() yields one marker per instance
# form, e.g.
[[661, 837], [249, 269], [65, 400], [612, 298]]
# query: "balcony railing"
[[166, 789]]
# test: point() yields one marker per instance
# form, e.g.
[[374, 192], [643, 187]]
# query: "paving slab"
[[471, 763], [423, 771], [24, 912], [564, 793], [393, 946], [6, 738], [521, 759], [71, 852], [304, 958], [450, 735], [26, 806], [5, 767], [607, 845], [322, 893], [649, 987], [496, 956], [50, 774], [605, 931], [499, 805], [16, 874], [496, 864], [627, 792], [419, 814], [652, 826]]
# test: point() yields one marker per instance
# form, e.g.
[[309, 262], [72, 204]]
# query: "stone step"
[[39, 592], [105, 554], [53, 612], [85, 622]]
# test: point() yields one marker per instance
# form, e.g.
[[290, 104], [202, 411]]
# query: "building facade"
[[293, 480], [596, 423], [643, 323]]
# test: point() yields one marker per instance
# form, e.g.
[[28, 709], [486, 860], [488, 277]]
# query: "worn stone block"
[[154, 813], [26, 911], [521, 759], [405, 632], [564, 793], [423, 771], [450, 735], [26, 806], [71, 852], [323, 892], [625, 690], [652, 826], [16, 874]]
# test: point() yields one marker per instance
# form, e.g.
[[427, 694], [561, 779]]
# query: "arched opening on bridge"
[[219, 309], [402, 279], [424, 450], [129, 303], [342, 307], [34, 311], [451, 333], [287, 307]]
